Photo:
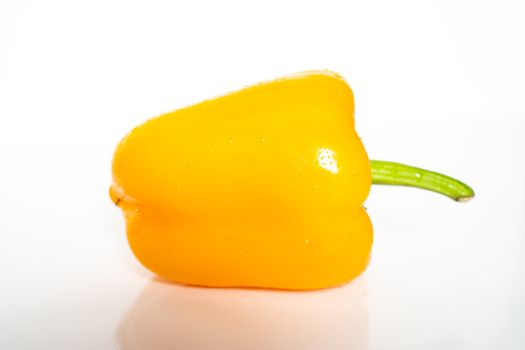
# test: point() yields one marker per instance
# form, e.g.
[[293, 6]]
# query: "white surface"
[[437, 84]]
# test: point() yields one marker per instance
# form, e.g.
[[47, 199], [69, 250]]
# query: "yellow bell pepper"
[[262, 187]]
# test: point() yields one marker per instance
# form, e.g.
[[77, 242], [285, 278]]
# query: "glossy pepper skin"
[[260, 188]]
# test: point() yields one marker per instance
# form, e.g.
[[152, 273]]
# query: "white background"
[[439, 84]]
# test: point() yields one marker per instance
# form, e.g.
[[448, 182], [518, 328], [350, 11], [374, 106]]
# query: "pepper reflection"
[[168, 316]]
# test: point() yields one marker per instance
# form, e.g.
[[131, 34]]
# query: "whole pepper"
[[262, 187]]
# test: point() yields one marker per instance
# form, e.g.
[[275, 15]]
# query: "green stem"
[[390, 173]]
